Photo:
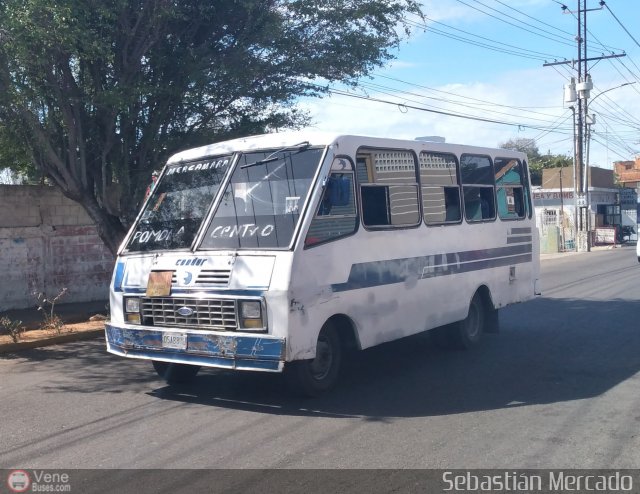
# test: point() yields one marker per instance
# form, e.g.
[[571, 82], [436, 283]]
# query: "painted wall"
[[48, 242]]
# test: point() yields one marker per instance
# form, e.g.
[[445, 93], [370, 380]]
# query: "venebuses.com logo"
[[18, 481], [38, 481]]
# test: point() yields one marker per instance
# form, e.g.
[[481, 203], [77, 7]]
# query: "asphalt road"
[[558, 387]]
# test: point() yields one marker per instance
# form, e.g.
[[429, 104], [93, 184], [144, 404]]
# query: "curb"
[[54, 340]]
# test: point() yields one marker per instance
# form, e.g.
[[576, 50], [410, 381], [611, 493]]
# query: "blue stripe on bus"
[[117, 279], [389, 272]]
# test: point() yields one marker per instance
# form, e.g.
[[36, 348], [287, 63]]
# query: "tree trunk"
[[110, 228]]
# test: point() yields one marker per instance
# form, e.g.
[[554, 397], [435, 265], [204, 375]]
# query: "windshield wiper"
[[301, 146]]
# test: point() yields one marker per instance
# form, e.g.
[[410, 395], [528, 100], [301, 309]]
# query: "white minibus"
[[278, 252]]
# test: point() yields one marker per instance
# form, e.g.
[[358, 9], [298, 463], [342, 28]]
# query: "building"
[[562, 213], [628, 173]]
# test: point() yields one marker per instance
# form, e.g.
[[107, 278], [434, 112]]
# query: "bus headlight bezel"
[[250, 315], [132, 306]]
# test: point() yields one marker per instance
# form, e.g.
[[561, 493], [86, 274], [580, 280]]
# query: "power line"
[[621, 25], [475, 43], [501, 43], [386, 89], [525, 23], [484, 102], [512, 24], [629, 117], [552, 129], [534, 19], [430, 110], [613, 144]]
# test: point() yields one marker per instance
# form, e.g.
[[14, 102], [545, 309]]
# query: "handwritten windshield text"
[[246, 230]]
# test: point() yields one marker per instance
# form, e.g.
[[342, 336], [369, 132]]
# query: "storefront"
[[611, 221]]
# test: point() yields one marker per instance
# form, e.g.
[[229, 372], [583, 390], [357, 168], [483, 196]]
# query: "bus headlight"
[[132, 310], [250, 312], [132, 305]]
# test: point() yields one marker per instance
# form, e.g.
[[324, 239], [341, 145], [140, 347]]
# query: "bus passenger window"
[[510, 184], [375, 205], [478, 187], [440, 188], [388, 188]]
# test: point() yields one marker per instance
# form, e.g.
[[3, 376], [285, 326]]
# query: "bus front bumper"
[[228, 351]]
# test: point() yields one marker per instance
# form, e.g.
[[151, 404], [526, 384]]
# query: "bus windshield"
[[261, 205], [178, 204]]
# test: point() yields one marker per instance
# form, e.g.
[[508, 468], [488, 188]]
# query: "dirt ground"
[[43, 334], [76, 317]]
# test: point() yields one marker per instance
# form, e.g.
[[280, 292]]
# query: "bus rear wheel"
[[465, 334], [316, 376], [174, 373]]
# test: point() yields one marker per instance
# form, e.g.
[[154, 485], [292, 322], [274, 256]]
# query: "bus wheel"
[[175, 373], [318, 375], [467, 333], [464, 334]]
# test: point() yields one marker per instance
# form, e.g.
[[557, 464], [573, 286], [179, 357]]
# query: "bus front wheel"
[[175, 373], [315, 376]]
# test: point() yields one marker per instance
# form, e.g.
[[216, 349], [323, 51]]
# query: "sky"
[[485, 59]]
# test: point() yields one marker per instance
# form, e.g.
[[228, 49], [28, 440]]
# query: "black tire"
[[465, 334], [175, 373], [316, 376]]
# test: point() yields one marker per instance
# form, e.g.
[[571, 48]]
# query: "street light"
[[586, 165]]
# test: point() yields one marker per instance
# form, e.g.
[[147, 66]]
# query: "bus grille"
[[196, 313], [207, 277], [214, 277]]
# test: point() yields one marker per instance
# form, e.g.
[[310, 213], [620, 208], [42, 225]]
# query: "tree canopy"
[[98, 93], [537, 161]]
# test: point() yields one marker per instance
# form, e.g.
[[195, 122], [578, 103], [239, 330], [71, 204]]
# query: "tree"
[[16, 163], [101, 92], [537, 161], [524, 145]]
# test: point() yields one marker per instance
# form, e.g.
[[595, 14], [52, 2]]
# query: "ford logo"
[[185, 311]]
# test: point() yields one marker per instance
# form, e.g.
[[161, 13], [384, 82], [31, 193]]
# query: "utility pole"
[[579, 94], [564, 242]]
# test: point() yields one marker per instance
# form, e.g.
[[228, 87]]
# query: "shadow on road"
[[538, 358]]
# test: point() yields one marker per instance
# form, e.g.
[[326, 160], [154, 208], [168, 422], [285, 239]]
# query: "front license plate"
[[176, 341]]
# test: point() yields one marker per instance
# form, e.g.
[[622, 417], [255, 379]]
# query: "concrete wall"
[[48, 242], [598, 177]]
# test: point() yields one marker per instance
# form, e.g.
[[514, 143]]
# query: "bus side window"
[[440, 188], [336, 216], [478, 187], [510, 185], [375, 205], [388, 188]]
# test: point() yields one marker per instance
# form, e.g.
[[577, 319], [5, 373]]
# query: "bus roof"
[[285, 139]]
